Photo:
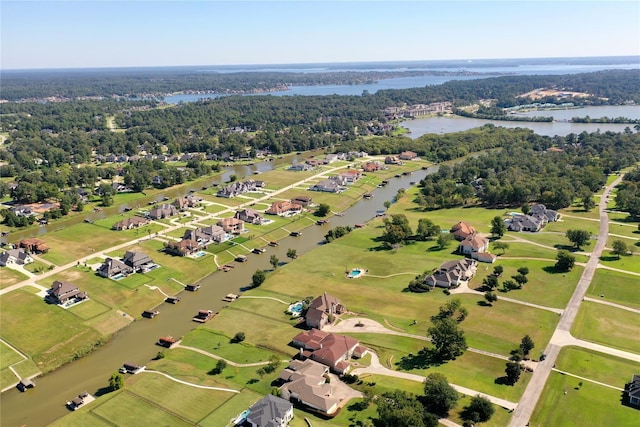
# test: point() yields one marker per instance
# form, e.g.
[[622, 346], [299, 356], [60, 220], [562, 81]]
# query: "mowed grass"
[[616, 287], [231, 408], [545, 287], [221, 345], [187, 402], [626, 263], [8, 356], [9, 276], [596, 366], [590, 405], [33, 326], [608, 325], [128, 409], [472, 370]]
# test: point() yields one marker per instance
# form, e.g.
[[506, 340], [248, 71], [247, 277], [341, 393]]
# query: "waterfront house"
[[34, 245], [206, 235], [163, 211], [392, 160], [62, 292], [186, 202], [407, 155], [137, 260], [327, 186], [251, 216], [284, 208], [322, 309], [129, 223], [300, 167], [182, 248], [303, 201], [113, 267], [371, 166], [330, 349], [350, 176], [231, 225]]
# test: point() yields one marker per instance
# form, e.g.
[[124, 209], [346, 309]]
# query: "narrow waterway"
[[46, 402]]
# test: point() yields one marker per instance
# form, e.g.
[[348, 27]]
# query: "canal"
[[46, 402]]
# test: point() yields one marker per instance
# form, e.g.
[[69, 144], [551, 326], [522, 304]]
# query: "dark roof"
[[634, 387], [268, 411]]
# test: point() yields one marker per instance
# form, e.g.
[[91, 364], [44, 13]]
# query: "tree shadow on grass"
[[569, 248], [424, 359], [551, 269], [483, 303], [609, 258], [503, 381]]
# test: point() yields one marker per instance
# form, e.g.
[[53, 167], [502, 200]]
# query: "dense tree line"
[[524, 171], [628, 194]]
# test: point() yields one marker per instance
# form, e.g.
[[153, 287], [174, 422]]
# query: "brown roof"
[[461, 230]]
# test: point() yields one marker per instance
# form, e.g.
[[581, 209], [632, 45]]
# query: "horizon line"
[[284, 64]]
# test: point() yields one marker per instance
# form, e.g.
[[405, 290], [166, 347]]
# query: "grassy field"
[[617, 287], [9, 276], [626, 263], [33, 326], [127, 409], [609, 326], [596, 366], [588, 405]]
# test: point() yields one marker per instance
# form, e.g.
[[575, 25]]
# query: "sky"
[[79, 34]]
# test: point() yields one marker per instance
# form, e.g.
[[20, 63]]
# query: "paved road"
[[532, 393]]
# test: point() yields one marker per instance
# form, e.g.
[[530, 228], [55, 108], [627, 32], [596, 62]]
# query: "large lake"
[[409, 82], [448, 124]]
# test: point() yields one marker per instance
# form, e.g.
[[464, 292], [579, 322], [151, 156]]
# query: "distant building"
[[113, 267], [250, 216], [34, 245], [163, 211], [284, 208], [129, 223]]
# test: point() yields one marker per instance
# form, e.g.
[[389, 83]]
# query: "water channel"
[[46, 402]]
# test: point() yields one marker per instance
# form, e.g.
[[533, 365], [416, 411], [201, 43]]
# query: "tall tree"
[[619, 248], [579, 238], [565, 261], [512, 371], [479, 410], [274, 261], [447, 338], [526, 345], [498, 227], [439, 396], [258, 278], [426, 229]]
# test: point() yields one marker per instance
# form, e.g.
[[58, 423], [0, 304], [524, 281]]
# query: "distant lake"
[[403, 82], [442, 125]]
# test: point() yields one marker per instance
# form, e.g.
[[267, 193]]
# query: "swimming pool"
[[200, 254], [356, 272], [118, 276], [296, 308]]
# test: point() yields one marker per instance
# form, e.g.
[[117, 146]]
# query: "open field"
[[616, 287], [626, 263], [589, 405], [9, 276], [222, 346], [596, 366], [609, 326], [33, 326], [127, 409]]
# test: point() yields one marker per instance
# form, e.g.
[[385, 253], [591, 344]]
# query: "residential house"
[[407, 155], [304, 201], [163, 211], [186, 202], [462, 230], [232, 225], [22, 210], [327, 186], [633, 391], [541, 212], [137, 260], [320, 310], [129, 223], [300, 167], [62, 292], [473, 244], [240, 187], [270, 411], [371, 166], [332, 350], [357, 154], [306, 383], [251, 216], [182, 248], [284, 208], [15, 257], [524, 223], [314, 163], [34, 245], [114, 267], [204, 236], [350, 176], [392, 160], [452, 274]]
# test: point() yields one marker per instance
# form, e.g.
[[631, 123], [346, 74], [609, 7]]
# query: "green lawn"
[[89, 309], [616, 287], [33, 326], [36, 267], [127, 409], [608, 326], [7, 356], [9, 276], [590, 405], [231, 408], [220, 345], [626, 263], [596, 366]]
